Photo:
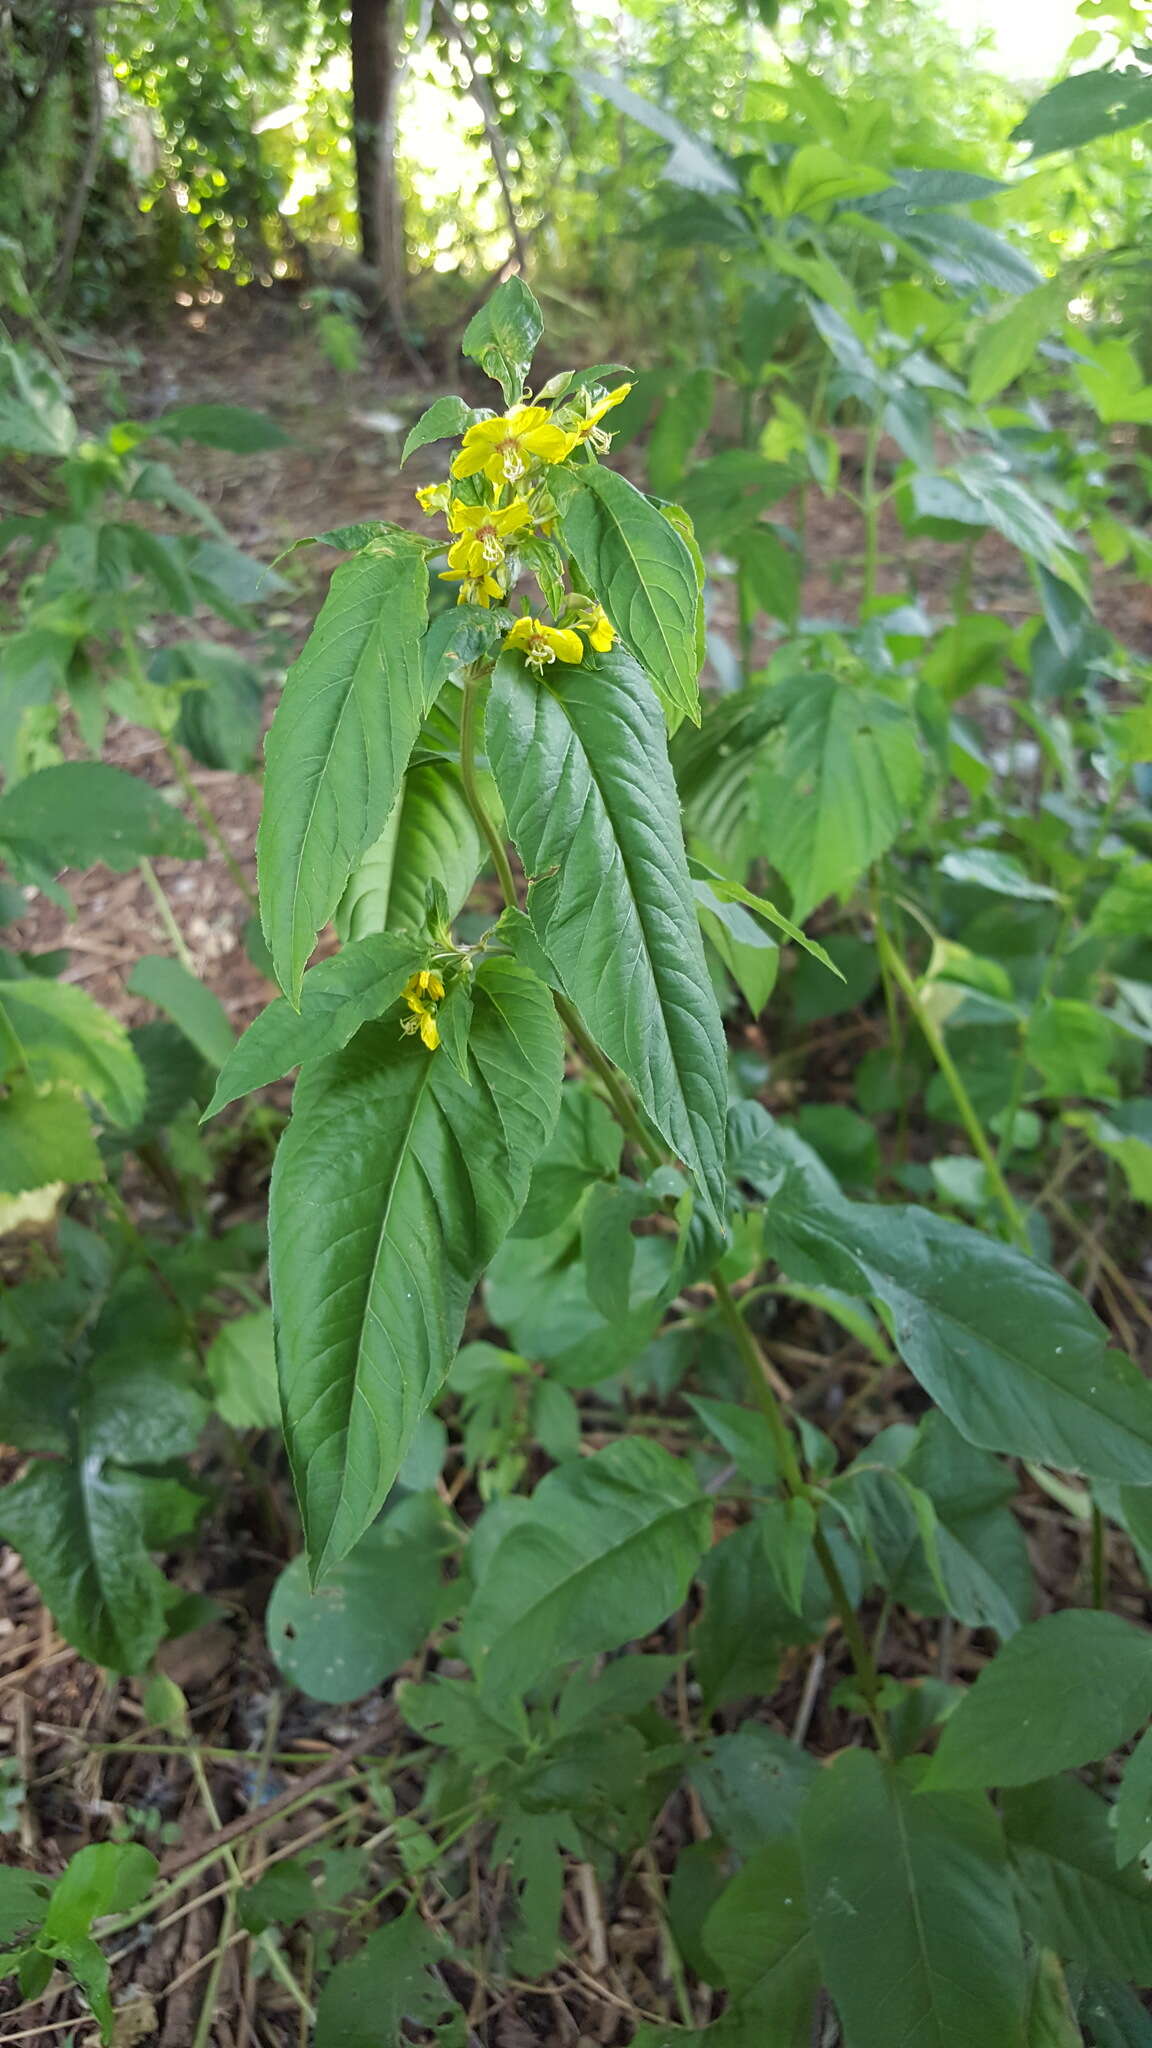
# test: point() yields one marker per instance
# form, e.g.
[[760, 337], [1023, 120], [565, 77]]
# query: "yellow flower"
[[599, 628], [432, 498], [503, 448], [543, 644], [473, 589], [483, 530], [421, 993], [589, 428]]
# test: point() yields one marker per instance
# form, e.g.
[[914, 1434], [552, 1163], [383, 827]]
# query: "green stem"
[[1099, 1560], [164, 909], [1017, 1228], [619, 1094], [472, 795], [1051, 966], [871, 502], [211, 824]]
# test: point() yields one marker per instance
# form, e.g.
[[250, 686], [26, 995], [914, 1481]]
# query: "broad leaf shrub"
[[496, 1099]]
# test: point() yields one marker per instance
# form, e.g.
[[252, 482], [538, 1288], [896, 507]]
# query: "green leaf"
[[582, 770], [430, 836], [771, 573], [64, 1036], [393, 1977], [608, 1245], [605, 1554], [912, 1911], [984, 869], [1072, 1043], [35, 417], [743, 1433], [1064, 1691], [241, 1366], [231, 427], [583, 1149], [502, 337], [1007, 345], [760, 1936], [1078, 109], [183, 997], [1010, 1352], [444, 419], [371, 1614], [23, 1903], [752, 1785], [45, 1135], [104, 1877], [339, 744], [643, 573], [83, 812], [1051, 2020], [735, 892], [1072, 1897], [1134, 1805], [681, 422], [393, 1186], [847, 772], [336, 998], [84, 1523], [743, 947], [80, 1534]]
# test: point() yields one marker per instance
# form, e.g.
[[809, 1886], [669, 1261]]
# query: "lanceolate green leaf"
[[643, 573], [604, 1553], [1073, 1897], [394, 1185], [1011, 1353], [336, 998], [844, 778], [582, 769], [85, 811], [1065, 1691], [430, 836], [340, 743], [912, 1910]]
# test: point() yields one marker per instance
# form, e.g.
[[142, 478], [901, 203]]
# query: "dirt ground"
[[74, 1741]]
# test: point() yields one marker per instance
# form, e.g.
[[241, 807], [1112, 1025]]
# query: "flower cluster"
[[422, 992], [511, 454]]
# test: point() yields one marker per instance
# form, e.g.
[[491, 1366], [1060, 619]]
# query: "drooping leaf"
[[643, 573], [1007, 345], [394, 1185], [192, 1006], [1073, 1897], [431, 836], [582, 770], [605, 1554], [1011, 1353], [760, 1935], [63, 1035], [1064, 1691], [83, 812], [336, 998], [906, 1890], [846, 775], [339, 744]]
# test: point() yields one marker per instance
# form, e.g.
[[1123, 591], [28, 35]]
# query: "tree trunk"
[[374, 35]]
